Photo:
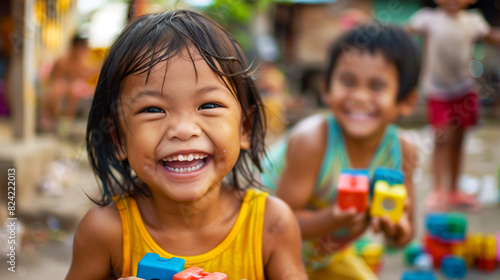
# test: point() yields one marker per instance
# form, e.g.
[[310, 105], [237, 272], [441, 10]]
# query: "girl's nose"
[[182, 128]]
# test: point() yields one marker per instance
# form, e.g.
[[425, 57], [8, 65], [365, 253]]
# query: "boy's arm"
[[401, 233], [305, 155], [97, 236], [281, 242]]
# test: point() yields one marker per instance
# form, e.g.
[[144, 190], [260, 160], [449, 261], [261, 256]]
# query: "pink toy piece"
[[498, 245], [195, 273]]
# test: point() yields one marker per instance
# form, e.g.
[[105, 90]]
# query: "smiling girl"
[[175, 111]]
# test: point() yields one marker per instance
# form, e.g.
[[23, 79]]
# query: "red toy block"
[[486, 265], [437, 249], [352, 191], [195, 273]]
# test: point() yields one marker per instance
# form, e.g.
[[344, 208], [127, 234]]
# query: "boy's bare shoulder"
[[310, 134]]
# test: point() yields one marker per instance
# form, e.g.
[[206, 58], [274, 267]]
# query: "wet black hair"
[[145, 42], [391, 41]]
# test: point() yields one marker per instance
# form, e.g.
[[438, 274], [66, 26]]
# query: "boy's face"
[[182, 131], [362, 94], [454, 6]]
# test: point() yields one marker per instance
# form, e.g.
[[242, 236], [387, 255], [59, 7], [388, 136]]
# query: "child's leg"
[[441, 166], [457, 197], [345, 266]]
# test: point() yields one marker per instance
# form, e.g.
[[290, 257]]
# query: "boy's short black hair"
[[391, 41], [146, 42]]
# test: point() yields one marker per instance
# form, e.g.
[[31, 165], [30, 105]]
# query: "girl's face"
[[182, 131], [362, 94]]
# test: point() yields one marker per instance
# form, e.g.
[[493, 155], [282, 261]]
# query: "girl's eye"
[[153, 110], [348, 82], [209, 106], [377, 86]]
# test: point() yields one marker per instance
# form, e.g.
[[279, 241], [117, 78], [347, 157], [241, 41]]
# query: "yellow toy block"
[[388, 201], [489, 247], [372, 253]]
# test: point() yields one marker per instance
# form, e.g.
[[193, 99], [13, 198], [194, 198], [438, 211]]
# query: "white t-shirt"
[[448, 50]]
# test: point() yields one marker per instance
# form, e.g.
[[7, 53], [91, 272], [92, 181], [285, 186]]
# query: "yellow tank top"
[[239, 255]]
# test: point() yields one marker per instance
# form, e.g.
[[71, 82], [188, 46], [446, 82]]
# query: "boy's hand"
[[397, 234], [350, 224]]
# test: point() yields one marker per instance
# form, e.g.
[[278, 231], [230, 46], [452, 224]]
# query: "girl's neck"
[[361, 151], [163, 212]]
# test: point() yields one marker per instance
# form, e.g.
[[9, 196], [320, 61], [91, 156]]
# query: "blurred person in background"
[[449, 32], [68, 85]]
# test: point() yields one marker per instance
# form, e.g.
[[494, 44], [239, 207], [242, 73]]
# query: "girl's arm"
[[98, 235], [305, 154], [401, 233], [281, 242]]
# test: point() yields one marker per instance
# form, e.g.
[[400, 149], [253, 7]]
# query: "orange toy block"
[[194, 273], [352, 191]]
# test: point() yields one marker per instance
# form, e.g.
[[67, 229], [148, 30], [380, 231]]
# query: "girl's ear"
[[407, 105], [246, 130], [119, 146]]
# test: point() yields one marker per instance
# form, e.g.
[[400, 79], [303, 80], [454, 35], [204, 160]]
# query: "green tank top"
[[388, 154]]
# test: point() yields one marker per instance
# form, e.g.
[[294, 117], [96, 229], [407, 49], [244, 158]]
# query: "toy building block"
[[195, 273], [488, 247], [453, 267], [436, 249], [152, 267], [447, 227], [423, 261], [352, 191], [456, 227], [498, 238], [419, 275], [462, 250], [411, 252], [390, 175], [388, 201]]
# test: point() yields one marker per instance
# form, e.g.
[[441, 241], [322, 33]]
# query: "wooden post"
[[22, 76]]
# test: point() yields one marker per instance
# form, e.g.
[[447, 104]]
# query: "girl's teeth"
[[187, 169], [189, 157]]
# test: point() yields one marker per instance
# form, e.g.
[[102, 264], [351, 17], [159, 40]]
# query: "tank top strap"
[[124, 208]]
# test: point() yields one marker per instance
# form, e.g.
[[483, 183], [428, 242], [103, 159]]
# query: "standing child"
[[175, 111], [370, 81], [453, 105]]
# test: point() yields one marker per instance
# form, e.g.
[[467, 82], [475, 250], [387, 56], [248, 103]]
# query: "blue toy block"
[[447, 227], [153, 267], [453, 267], [356, 172], [435, 224], [419, 275], [390, 175]]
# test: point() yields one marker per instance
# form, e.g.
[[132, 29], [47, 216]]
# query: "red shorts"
[[462, 112]]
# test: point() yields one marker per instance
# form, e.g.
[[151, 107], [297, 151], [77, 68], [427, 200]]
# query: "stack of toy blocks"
[[486, 259], [153, 267], [445, 234], [390, 175]]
